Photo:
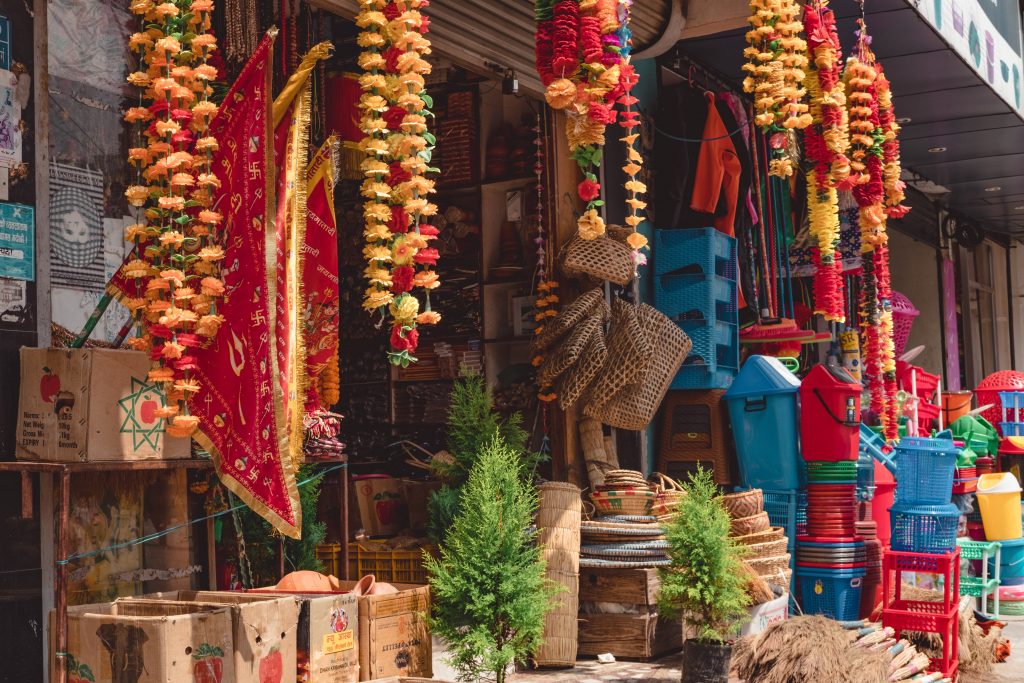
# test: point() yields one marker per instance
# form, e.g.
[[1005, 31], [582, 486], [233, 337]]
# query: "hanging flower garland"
[[398, 151], [867, 140], [891, 168], [776, 59], [176, 233], [583, 59], [826, 142], [546, 303]]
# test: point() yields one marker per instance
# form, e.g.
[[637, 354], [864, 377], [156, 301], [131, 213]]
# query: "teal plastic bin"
[[762, 403]]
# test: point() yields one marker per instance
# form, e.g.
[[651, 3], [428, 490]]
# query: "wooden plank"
[[628, 636], [102, 466], [626, 586], [165, 505], [41, 103]]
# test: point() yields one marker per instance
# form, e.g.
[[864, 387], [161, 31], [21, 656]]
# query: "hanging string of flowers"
[[398, 149], [583, 59], [891, 168], [776, 59], [826, 142], [176, 232], [546, 303], [867, 139]]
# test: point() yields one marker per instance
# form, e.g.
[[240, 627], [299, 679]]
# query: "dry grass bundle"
[[807, 650], [757, 588]]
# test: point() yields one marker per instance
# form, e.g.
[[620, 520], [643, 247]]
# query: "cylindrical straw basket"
[[558, 517], [592, 444], [560, 624], [744, 503]]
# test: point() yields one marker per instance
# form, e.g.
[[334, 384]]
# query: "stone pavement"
[[668, 668]]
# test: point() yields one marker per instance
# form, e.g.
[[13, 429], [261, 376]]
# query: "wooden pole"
[[211, 553], [60, 589], [343, 479]]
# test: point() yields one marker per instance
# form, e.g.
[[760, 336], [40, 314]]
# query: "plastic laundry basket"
[[999, 500]]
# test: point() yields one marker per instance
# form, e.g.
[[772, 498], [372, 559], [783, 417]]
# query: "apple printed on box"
[[91, 404]]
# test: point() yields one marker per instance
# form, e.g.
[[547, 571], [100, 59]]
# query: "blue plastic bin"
[[834, 593], [924, 528], [763, 409], [697, 375], [713, 252], [924, 471], [696, 296], [1011, 560]]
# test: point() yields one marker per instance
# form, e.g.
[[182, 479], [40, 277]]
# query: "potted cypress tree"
[[704, 583], [488, 590]]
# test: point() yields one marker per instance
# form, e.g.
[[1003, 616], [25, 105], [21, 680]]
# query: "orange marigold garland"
[[826, 142], [398, 148], [776, 59], [864, 92], [175, 236]]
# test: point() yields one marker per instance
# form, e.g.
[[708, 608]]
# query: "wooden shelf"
[[103, 465], [508, 340]]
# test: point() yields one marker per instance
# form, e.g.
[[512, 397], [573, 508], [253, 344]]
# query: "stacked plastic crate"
[[695, 284]]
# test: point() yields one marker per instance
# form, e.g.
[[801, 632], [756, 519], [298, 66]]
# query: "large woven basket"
[[669, 494], [570, 316], [743, 503], [750, 525], [773, 534], [623, 502], [569, 350], [633, 406], [629, 356], [769, 566], [576, 379], [770, 548], [602, 259]]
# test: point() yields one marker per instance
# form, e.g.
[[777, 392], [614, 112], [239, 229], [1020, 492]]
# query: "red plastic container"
[[829, 414], [885, 496]]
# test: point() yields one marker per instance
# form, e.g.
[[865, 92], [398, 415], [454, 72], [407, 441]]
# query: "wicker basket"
[[570, 316], [769, 566], [592, 445], [750, 525], [755, 551], [576, 379], [743, 503], [623, 503], [602, 259], [773, 534], [559, 514], [633, 406], [569, 350], [560, 623], [669, 494]]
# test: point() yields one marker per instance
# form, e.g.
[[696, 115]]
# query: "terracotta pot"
[[706, 661]]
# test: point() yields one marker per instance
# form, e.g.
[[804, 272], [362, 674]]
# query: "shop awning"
[[490, 36], [949, 105]]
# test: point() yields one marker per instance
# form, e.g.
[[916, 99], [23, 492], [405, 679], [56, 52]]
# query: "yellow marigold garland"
[[398, 148], [176, 232]]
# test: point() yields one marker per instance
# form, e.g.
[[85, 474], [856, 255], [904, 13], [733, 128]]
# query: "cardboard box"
[[382, 507], [148, 641], [264, 630], [90, 404], [328, 636], [394, 639]]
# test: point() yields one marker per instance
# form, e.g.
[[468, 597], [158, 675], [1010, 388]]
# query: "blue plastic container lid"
[[924, 444], [944, 510], [763, 376], [821, 573]]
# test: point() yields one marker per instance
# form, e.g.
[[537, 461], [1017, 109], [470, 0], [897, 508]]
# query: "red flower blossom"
[[393, 117], [391, 56], [589, 190], [397, 174], [186, 363], [601, 113], [187, 339], [392, 11], [401, 279], [427, 257], [399, 220], [429, 231], [407, 341]]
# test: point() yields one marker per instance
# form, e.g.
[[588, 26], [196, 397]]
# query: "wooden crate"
[[641, 635]]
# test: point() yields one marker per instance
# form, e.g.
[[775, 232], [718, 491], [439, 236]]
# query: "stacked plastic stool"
[[695, 284], [924, 541], [986, 587]]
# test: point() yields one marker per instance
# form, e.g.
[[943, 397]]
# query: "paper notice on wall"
[[17, 241], [13, 299], [10, 120]]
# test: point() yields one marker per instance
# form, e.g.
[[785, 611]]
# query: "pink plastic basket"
[[903, 315]]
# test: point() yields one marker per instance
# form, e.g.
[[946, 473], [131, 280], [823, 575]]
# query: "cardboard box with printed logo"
[[91, 404]]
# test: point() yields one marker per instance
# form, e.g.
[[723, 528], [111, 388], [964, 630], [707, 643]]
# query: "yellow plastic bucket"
[[999, 500]]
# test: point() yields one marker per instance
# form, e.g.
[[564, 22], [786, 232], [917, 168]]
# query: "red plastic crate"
[[894, 564], [945, 625]]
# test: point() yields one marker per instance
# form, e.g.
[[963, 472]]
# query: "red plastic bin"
[[945, 625]]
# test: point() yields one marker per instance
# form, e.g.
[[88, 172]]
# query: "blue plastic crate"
[[924, 471], [699, 376], [833, 593], [783, 508], [716, 343], [713, 252], [924, 528], [1011, 428], [696, 296]]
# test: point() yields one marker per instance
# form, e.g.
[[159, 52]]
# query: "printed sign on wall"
[[17, 241]]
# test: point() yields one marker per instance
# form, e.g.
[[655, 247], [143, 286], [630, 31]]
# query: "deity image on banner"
[[76, 228]]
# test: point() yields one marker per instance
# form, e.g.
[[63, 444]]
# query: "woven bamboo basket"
[[633, 406], [768, 566], [750, 525], [560, 624], [773, 548], [561, 506], [629, 355], [602, 259], [773, 534], [623, 503], [586, 303], [743, 503], [592, 445], [575, 381], [569, 350], [669, 494]]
